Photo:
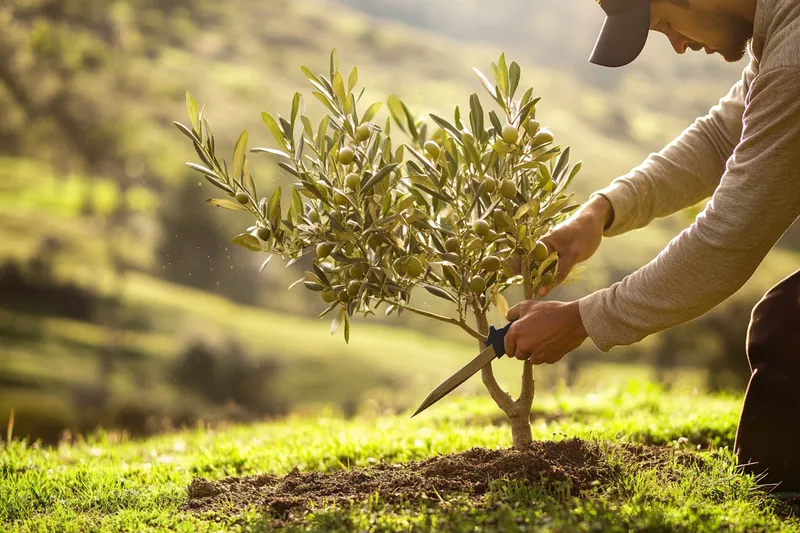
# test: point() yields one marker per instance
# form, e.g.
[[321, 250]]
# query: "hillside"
[[97, 206]]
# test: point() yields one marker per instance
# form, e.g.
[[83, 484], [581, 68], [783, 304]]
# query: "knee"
[[774, 332]]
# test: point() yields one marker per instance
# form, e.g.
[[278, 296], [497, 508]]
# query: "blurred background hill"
[[122, 301]]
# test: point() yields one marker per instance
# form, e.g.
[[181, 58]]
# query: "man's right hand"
[[578, 238]]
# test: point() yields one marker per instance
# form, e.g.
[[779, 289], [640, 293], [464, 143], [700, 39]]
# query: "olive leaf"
[[248, 241], [224, 203], [194, 113], [274, 129], [338, 321]]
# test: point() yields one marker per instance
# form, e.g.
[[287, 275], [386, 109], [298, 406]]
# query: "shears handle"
[[497, 339]]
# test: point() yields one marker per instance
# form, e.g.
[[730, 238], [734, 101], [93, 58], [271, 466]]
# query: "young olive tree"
[[457, 211]]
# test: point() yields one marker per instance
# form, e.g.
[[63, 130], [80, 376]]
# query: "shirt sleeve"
[[685, 172], [758, 198]]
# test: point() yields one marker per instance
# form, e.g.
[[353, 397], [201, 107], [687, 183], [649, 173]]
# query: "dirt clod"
[[574, 464]]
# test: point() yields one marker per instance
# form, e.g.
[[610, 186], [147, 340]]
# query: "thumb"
[[514, 313]]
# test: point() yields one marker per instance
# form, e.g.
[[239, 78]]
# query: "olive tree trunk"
[[519, 411]]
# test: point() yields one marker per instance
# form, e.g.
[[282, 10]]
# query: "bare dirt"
[[573, 465]]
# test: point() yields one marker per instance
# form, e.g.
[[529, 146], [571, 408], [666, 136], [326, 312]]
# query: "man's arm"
[[685, 172], [757, 200]]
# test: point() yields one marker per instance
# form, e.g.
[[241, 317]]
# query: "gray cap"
[[624, 32]]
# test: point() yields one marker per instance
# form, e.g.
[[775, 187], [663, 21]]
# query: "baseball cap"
[[624, 32]]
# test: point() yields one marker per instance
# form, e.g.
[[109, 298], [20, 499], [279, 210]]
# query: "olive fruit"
[[414, 267], [242, 197], [363, 133], [532, 126], [451, 244], [373, 241], [264, 233], [353, 288], [344, 297], [452, 257], [508, 189], [323, 250], [490, 184], [510, 134], [540, 252], [477, 284], [432, 149], [481, 228], [346, 155], [467, 137], [313, 216], [329, 296], [544, 136], [490, 263], [357, 270], [548, 279], [399, 266], [340, 199], [352, 181]]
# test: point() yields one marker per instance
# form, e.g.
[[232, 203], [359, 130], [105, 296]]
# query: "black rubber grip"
[[497, 339]]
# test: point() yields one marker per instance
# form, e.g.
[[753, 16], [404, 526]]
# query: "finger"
[[522, 356], [510, 343], [544, 291], [514, 313]]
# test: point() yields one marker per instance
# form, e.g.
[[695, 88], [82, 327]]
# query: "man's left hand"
[[544, 332]]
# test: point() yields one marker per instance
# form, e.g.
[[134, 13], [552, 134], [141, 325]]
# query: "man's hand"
[[577, 239], [544, 332]]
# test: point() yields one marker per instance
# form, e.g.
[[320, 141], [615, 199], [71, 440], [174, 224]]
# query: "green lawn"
[[111, 484]]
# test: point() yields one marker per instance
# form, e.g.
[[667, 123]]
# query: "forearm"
[[684, 173]]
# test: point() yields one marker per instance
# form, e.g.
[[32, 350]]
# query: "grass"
[[108, 483]]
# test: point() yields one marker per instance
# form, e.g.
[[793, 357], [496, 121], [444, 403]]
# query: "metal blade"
[[447, 386]]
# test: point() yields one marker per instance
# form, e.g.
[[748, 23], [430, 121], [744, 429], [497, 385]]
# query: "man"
[[745, 155]]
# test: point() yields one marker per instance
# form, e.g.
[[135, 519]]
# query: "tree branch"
[[528, 386], [500, 397], [456, 322]]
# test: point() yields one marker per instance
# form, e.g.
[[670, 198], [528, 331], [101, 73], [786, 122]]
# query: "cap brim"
[[622, 38]]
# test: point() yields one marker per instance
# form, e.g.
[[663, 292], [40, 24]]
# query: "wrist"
[[600, 211]]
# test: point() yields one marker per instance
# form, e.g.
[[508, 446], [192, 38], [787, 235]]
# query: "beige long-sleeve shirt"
[[745, 154]]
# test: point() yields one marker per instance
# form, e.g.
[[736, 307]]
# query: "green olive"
[[323, 250], [264, 233], [353, 288], [481, 228], [349, 246], [532, 126], [490, 184], [344, 297], [544, 136], [374, 241], [414, 267], [357, 270], [477, 284], [363, 133], [242, 197], [352, 181], [548, 279], [399, 266], [452, 244], [508, 189], [490, 263], [432, 149], [510, 134], [329, 296], [540, 252], [313, 216], [340, 199], [346, 155], [452, 257]]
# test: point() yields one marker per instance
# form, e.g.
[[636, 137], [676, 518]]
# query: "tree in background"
[[448, 212]]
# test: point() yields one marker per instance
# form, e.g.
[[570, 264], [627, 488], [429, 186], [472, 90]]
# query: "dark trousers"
[[768, 436]]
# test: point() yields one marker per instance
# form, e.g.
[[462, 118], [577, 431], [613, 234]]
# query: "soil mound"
[[573, 465]]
